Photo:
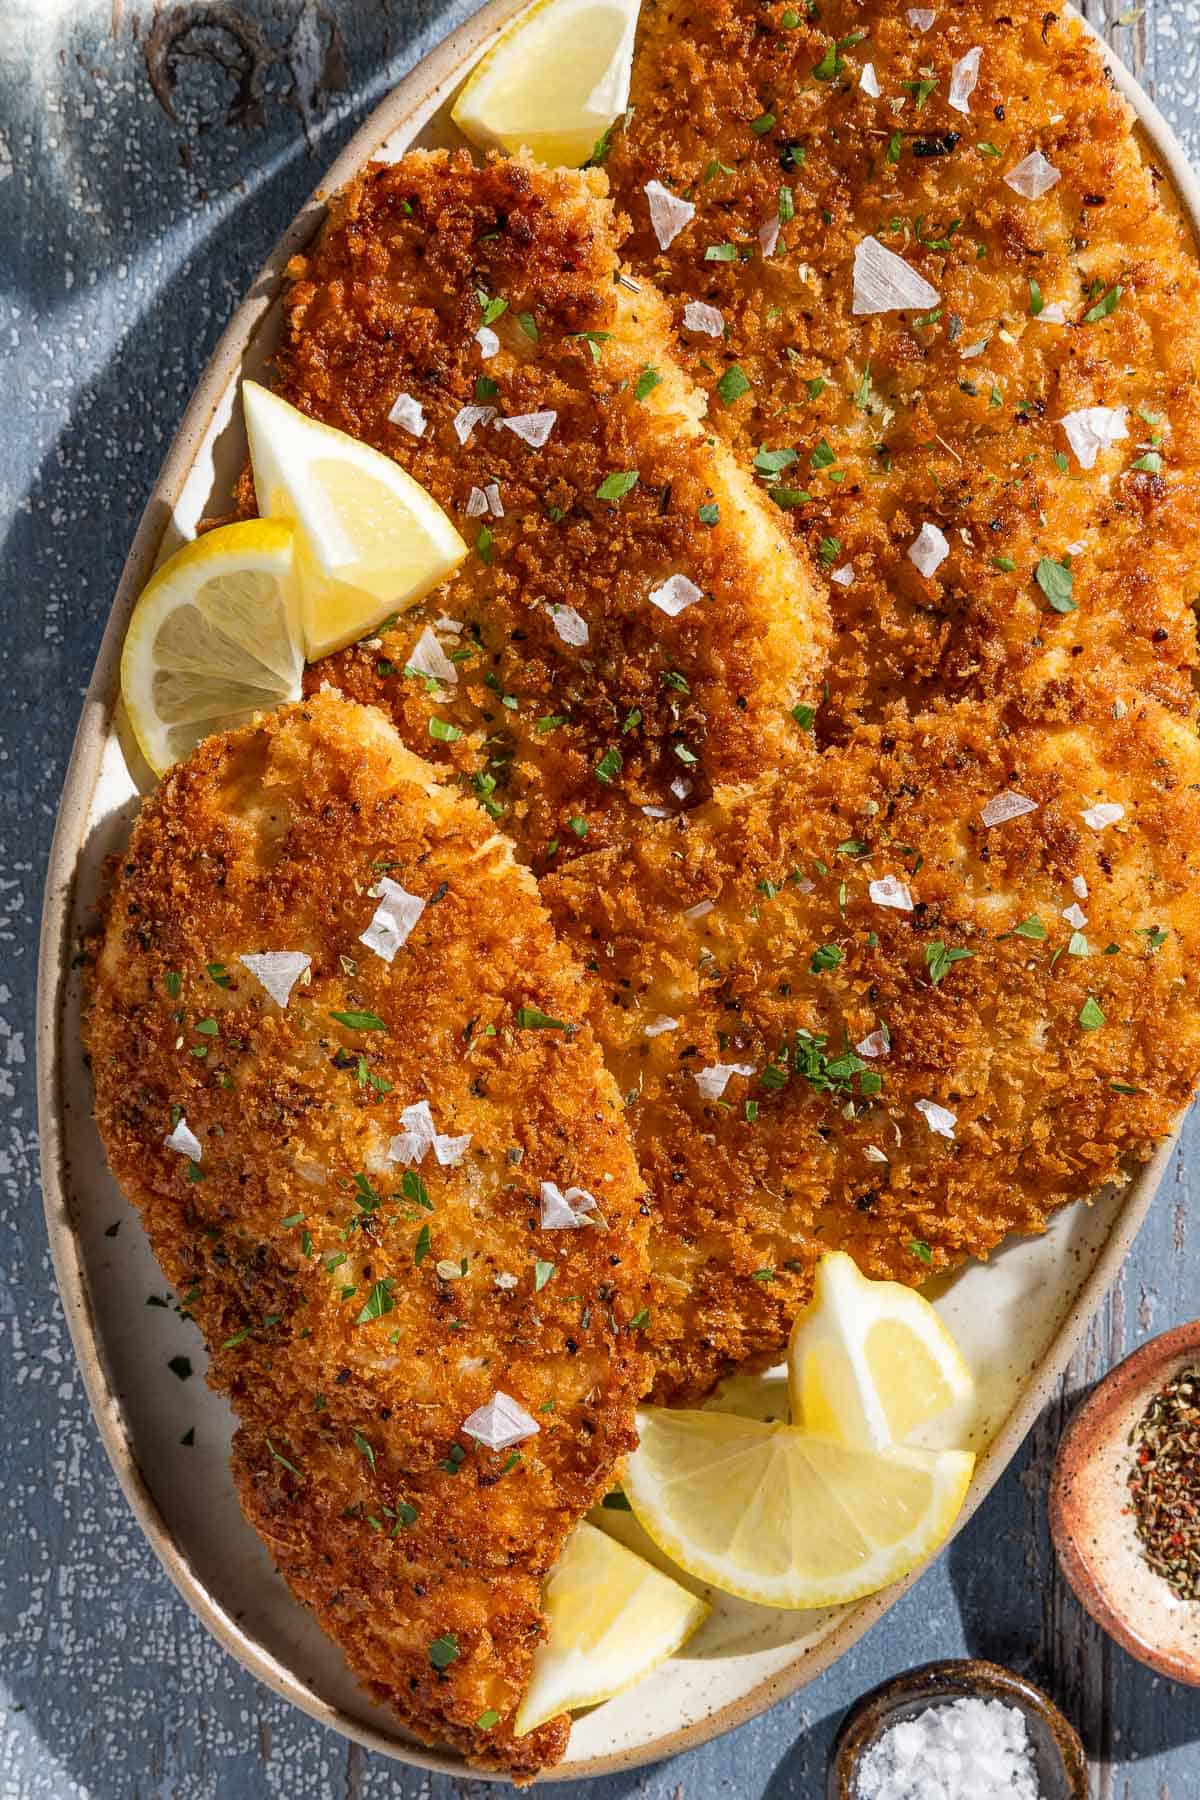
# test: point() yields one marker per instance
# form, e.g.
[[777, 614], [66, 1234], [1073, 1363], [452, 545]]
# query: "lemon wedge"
[[612, 1619], [785, 1518], [214, 639], [870, 1361], [553, 82], [369, 540]]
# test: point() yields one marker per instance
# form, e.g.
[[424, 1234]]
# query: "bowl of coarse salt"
[[958, 1731]]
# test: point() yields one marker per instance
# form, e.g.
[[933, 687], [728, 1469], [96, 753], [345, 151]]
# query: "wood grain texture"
[[149, 155]]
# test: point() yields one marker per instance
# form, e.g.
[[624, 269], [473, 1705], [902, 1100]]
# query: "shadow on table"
[[1122, 1710]]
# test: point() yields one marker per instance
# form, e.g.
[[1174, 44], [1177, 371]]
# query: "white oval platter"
[[1019, 1319]]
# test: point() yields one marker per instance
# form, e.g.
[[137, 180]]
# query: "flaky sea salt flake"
[[532, 428], [409, 414], [938, 1118], [1033, 176], [920, 17], [477, 504], [1091, 429], [868, 80], [963, 78], [501, 1423], [1107, 812], [468, 417], [674, 595], [928, 549], [843, 576], [713, 1080], [658, 1024], [768, 234], [420, 1135], [277, 971], [570, 625], [488, 342], [565, 1212], [428, 658], [185, 1141], [874, 1044], [884, 282], [492, 496], [1075, 916], [668, 213], [697, 316], [392, 920], [890, 891], [1006, 805]]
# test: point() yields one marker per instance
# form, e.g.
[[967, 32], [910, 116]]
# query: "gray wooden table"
[[144, 171]]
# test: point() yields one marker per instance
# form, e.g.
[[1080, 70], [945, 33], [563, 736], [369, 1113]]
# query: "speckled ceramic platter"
[[1018, 1319]]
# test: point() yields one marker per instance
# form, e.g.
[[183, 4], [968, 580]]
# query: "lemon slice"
[[553, 82], [214, 639], [870, 1361], [370, 540], [782, 1517], [612, 1619]]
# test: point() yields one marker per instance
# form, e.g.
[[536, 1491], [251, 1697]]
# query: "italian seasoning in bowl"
[[1164, 1482], [1125, 1503]]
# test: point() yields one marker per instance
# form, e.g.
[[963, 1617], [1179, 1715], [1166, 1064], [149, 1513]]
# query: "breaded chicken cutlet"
[[738, 947], [993, 156], [632, 627], [341, 1070]]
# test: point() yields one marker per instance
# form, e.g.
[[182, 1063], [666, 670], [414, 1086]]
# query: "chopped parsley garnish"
[[414, 1189], [1031, 927], [822, 457], [1106, 304], [609, 766], [289, 1466], [579, 827], [442, 731], [615, 487], [1090, 1015], [483, 545], [1056, 581], [206, 1027], [647, 381], [492, 306], [1036, 303], [528, 325], [732, 385], [830, 65], [423, 1246], [711, 512], [939, 960], [239, 1337], [826, 956], [359, 1021], [531, 1018], [174, 983], [542, 1271], [443, 1651], [365, 1448], [640, 1319], [379, 1302], [763, 124], [217, 974], [721, 253], [805, 716], [787, 206], [491, 1717], [921, 1249]]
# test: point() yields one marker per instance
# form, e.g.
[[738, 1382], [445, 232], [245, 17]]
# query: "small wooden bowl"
[[1058, 1754], [1093, 1533]]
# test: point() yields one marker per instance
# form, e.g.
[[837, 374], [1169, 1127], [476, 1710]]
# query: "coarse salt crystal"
[[409, 414], [674, 595], [565, 1212], [1054, 314], [972, 350], [477, 504], [874, 1154], [392, 920], [843, 576], [963, 78], [668, 213], [1079, 886], [681, 787], [966, 1749], [428, 658], [492, 495], [768, 234], [184, 1141], [532, 428], [1005, 806], [920, 17], [874, 1044], [277, 971], [446, 623], [501, 1423], [1075, 915], [468, 417], [1033, 176], [928, 549], [506, 1282], [661, 1022], [701, 909], [1108, 812], [713, 1080], [488, 342], [868, 81], [1091, 429], [699, 317], [938, 1118], [420, 1135], [890, 891], [884, 282], [570, 625]]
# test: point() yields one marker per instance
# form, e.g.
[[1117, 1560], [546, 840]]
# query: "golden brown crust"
[[390, 302], [271, 839], [952, 414]]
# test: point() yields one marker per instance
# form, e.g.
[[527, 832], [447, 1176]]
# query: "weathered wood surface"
[[144, 171]]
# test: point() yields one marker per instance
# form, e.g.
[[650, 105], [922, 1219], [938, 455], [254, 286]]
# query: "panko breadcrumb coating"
[[632, 626], [800, 137], [349, 1189]]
